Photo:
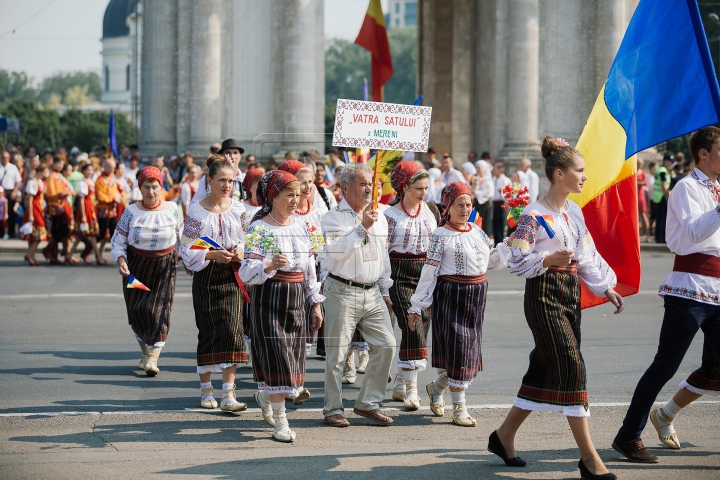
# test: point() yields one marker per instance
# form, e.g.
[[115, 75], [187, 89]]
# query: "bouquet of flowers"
[[516, 199]]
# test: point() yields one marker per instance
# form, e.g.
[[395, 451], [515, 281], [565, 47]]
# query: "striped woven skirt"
[[405, 272], [457, 318], [277, 312], [149, 312], [555, 379], [706, 379], [218, 304]]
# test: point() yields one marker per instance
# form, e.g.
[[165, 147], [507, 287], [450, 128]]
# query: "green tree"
[[86, 130], [39, 128], [74, 82], [15, 86]]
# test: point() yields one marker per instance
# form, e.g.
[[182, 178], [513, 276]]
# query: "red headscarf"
[[401, 175], [269, 187], [150, 172], [249, 179], [292, 166], [448, 195]]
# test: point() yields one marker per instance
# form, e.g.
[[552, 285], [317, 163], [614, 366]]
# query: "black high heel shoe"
[[495, 446], [585, 473]]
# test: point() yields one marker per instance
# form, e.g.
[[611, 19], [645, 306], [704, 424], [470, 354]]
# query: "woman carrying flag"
[[280, 266], [217, 290], [453, 281], [410, 223], [143, 248], [553, 250]]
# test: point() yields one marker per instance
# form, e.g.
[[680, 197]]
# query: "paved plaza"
[[74, 404]]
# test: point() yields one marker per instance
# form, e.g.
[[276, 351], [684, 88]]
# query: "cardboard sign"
[[381, 126]]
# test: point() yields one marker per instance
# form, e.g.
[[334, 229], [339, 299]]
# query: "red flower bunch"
[[516, 198]]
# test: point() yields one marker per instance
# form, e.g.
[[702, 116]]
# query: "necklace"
[[276, 220], [455, 227], [548, 204], [402, 205], [149, 207], [306, 211]]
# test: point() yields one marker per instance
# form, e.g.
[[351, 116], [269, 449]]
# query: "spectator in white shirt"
[[498, 199], [449, 172], [10, 179], [530, 179]]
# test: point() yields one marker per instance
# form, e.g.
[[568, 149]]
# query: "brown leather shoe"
[[634, 450], [337, 420], [374, 415]]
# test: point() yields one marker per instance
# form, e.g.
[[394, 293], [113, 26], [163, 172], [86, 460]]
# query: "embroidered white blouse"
[[313, 224], [224, 228], [693, 226], [354, 253], [407, 234], [264, 240], [532, 244], [250, 211], [456, 253], [149, 230], [319, 203], [482, 188]]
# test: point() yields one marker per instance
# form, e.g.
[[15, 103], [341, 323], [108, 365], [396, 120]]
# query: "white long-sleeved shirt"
[[482, 188], [354, 253], [407, 234], [500, 182], [456, 253], [150, 230], [532, 244], [454, 175], [294, 241], [693, 226], [531, 180], [225, 228], [319, 203]]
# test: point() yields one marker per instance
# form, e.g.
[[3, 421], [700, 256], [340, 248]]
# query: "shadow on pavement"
[[107, 356]]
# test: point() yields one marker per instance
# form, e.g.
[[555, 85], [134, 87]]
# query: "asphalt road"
[[73, 403]]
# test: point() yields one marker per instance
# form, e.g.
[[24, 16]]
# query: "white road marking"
[[312, 410]]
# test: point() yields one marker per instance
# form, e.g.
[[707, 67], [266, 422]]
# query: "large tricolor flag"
[[373, 37], [661, 85]]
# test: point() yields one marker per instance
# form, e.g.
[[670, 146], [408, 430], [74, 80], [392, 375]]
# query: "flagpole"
[[376, 179]]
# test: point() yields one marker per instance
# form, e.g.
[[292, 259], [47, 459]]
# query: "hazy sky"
[[64, 35]]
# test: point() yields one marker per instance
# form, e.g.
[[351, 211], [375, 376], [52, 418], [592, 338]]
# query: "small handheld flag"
[[475, 218], [205, 243], [547, 222], [136, 284]]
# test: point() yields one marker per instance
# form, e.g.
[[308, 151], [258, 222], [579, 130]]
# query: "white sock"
[[442, 381], [411, 381], [278, 407], [671, 409], [228, 386], [458, 399], [205, 385]]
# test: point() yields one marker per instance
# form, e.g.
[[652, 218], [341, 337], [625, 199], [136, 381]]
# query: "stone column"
[[612, 20], [159, 75], [205, 75], [462, 79], [523, 81]]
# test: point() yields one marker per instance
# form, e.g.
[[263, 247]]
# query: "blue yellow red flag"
[[205, 243], [133, 282], [661, 85], [545, 221], [475, 218]]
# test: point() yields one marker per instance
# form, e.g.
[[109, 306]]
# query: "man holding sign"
[[357, 295]]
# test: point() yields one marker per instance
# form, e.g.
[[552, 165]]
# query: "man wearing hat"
[[233, 152]]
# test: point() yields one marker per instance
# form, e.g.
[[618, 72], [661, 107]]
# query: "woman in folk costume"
[[411, 222], [189, 187], [553, 267], [35, 213], [280, 267], [311, 216], [143, 246], [86, 219], [453, 281], [217, 290], [250, 183]]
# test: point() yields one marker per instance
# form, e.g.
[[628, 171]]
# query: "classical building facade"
[[501, 74]]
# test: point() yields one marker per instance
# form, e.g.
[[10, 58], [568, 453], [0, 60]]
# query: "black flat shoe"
[[495, 446], [320, 352], [585, 473]]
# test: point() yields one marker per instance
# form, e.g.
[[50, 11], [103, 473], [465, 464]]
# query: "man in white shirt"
[[449, 172], [132, 168], [499, 219], [530, 179], [357, 296], [233, 152], [692, 302], [10, 179]]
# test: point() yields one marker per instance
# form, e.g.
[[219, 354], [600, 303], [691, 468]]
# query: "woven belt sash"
[[408, 256], [150, 253], [464, 279], [698, 263], [287, 277], [568, 269]]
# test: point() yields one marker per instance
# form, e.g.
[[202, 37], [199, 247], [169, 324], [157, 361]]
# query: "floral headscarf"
[[269, 187], [401, 175], [292, 166], [249, 179], [448, 196], [149, 172]]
